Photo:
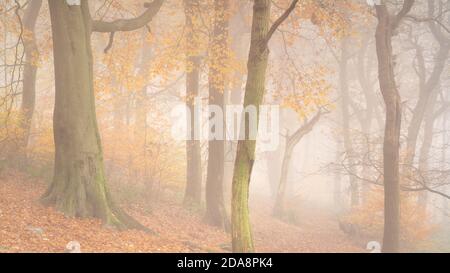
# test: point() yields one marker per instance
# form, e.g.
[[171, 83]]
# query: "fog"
[[225, 126]]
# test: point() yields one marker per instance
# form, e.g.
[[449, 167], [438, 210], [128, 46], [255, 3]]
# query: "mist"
[[216, 126]]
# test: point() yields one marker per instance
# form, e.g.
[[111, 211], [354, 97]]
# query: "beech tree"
[[261, 34], [79, 186]]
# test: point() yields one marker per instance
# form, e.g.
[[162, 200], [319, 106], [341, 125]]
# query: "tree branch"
[[129, 24], [407, 6], [280, 20]]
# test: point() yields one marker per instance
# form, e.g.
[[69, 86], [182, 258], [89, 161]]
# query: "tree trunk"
[[387, 24], [428, 134], [423, 157], [193, 191], [291, 143], [216, 214], [391, 143], [234, 95], [345, 96], [427, 90], [274, 162], [242, 240], [29, 73], [79, 187], [279, 208], [363, 71]]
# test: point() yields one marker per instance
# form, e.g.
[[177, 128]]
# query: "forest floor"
[[27, 226]]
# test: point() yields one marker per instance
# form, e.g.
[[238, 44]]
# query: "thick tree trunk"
[[193, 191], [79, 187], [215, 207], [254, 92], [29, 73]]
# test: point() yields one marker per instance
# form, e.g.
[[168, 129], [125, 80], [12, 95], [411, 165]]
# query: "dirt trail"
[[27, 226]]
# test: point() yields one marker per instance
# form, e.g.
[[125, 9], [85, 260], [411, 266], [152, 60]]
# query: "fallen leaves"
[[27, 226]]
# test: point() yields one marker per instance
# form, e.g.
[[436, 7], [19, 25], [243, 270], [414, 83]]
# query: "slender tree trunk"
[[79, 187], [279, 208], [242, 240], [364, 74], [427, 90], [423, 158], [234, 96], [274, 162], [391, 143], [345, 95], [216, 214], [387, 24], [337, 187], [428, 136], [193, 190], [29, 73], [291, 143]]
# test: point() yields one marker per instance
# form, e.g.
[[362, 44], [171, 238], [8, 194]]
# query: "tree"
[[387, 24], [79, 186], [193, 190], [30, 70], [427, 86], [261, 34], [291, 141], [215, 208], [345, 111]]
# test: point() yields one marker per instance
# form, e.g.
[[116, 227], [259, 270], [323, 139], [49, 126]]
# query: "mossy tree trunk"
[[79, 186], [242, 240]]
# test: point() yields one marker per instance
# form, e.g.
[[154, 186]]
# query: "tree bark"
[[242, 240], [241, 233]]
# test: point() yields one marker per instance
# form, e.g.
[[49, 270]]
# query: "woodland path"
[[27, 226]]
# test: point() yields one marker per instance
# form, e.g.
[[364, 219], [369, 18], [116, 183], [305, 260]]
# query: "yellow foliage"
[[414, 222]]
